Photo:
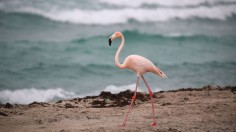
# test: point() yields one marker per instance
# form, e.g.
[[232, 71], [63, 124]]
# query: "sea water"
[[59, 49]]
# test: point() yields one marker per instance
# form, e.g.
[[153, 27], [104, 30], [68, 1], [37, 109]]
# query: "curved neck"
[[117, 62]]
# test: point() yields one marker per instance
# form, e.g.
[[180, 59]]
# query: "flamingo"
[[139, 65]]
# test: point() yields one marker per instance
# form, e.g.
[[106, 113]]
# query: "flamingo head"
[[114, 36]]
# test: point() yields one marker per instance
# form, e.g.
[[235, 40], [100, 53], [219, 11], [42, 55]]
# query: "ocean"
[[58, 49]]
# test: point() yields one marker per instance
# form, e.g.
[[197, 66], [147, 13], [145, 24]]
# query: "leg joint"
[[150, 92]]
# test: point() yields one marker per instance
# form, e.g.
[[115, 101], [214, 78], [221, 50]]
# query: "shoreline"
[[210, 108]]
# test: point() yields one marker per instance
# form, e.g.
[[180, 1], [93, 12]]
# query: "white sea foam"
[[168, 3], [116, 16], [116, 89], [25, 96]]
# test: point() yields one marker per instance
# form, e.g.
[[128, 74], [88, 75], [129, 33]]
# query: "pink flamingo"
[[138, 64]]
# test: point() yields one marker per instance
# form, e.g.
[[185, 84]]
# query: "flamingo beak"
[[110, 41]]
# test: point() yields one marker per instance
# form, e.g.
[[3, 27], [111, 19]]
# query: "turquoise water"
[[57, 49]]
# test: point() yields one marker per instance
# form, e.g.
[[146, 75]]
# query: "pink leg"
[[130, 107], [150, 92]]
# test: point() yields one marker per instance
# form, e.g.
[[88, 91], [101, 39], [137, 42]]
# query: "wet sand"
[[211, 108]]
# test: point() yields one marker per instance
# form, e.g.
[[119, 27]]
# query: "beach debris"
[[34, 104], [166, 103], [173, 130], [63, 130], [107, 99], [8, 105], [3, 114], [68, 105], [205, 88], [39, 121], [60, 101]]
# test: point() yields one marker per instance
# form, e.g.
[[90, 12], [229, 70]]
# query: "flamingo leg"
[[130, 107], [150, 92]]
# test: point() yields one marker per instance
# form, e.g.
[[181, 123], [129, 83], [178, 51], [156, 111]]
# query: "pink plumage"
[[139, 65]]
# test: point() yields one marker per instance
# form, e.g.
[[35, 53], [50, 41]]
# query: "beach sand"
[[211, 108]]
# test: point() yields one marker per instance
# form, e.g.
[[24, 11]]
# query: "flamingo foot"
[[154, 124]]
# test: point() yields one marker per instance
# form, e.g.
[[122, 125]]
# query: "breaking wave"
[[165, 3], [122, 16], [116, 89], [26, 96]]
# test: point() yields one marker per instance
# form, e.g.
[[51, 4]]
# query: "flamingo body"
[[139, 65]]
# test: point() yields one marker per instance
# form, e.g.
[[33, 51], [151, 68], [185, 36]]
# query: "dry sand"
[[205, 109]]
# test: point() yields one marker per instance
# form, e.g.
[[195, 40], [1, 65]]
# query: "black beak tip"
[[110, 42]]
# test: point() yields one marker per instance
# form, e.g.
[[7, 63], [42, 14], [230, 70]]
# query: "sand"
[[211, 108]]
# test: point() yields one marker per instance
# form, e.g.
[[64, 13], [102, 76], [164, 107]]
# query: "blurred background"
[[59, 49]]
